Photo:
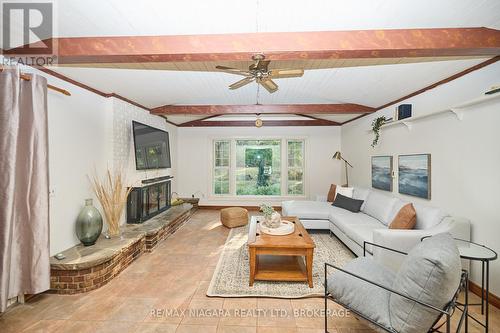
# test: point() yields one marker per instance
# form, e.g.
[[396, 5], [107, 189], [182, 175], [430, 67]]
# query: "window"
[[258, 169], [221, 167], [295, 154], [255, 167]]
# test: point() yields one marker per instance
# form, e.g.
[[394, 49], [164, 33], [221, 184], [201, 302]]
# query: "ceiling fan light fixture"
[[260, 72]]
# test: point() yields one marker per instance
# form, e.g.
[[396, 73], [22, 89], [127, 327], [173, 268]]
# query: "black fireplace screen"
[[147, 201]]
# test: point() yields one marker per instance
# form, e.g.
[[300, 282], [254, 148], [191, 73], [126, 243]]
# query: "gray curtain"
[[24, 182]]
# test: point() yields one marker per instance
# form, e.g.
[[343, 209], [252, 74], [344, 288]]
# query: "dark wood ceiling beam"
[[299, 109], [395, 43], [250, 123]]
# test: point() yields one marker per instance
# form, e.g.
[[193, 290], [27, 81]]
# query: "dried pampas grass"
[[112, 193]]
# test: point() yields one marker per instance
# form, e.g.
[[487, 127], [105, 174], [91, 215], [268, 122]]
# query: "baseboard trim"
[[219, 207], [476, 289]]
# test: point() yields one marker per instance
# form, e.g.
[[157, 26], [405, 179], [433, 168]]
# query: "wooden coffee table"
[[280, 258]]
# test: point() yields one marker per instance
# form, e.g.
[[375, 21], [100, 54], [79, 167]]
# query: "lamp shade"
[[337, 156]]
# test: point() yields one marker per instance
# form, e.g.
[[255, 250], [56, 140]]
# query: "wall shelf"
[[457, 110]]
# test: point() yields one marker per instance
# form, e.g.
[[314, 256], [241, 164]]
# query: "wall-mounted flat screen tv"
[[152, 148]]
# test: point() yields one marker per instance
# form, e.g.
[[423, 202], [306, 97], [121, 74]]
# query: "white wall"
[[88, 132], [465, 154], [79, 141], [194, 149]]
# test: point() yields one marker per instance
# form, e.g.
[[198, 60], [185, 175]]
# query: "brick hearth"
[[88, 268]]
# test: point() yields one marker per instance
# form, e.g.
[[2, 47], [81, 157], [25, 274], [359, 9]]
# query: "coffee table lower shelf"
[[280, 268]]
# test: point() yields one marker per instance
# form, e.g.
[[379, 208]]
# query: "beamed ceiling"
[[357, 55]]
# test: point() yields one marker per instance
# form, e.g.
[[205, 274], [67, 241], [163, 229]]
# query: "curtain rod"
[[27, 77]]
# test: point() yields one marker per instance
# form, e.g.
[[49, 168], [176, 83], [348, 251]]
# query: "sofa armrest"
[[405, 240]]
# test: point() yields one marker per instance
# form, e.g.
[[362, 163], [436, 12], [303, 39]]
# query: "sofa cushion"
[[430, 273], [342, 217], [398, 204], [314, 210], [379, 206], [360, 193], [350, 204], [362, 296], [331, 193], [360, 233], [406, 218], [345, 191], [428, 216]]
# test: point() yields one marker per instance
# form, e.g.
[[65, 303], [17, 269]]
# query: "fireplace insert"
[[147, 201]]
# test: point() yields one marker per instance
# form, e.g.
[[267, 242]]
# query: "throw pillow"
[[405, 219], [350, 204], [345, 191], [331, 193]]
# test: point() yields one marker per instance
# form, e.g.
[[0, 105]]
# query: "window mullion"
[[232, 167]]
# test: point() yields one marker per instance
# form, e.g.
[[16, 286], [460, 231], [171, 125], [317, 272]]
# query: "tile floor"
[[174, 278]]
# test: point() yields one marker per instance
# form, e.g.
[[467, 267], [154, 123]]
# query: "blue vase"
[[88, 224]]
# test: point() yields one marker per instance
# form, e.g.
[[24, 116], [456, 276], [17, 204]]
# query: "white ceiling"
[[368, 85], [159, 17]]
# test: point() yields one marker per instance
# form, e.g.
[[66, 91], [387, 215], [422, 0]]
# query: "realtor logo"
[[27, 29]]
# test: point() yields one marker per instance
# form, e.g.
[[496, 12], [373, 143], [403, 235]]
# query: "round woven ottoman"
[[234, 217]]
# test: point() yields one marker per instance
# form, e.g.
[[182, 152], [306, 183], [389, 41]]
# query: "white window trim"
[[232, 169], [213, 167]]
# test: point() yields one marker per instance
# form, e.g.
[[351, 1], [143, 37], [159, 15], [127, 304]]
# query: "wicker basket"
[[234, 217]]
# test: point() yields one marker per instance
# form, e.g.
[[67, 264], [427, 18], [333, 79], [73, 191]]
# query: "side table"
[[477, 252]]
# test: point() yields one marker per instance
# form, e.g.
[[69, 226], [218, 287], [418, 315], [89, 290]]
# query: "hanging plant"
[[376, 125]]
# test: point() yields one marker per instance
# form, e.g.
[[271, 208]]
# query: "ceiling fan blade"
[[233, 70], [269, 84], [283, 73], [241, 83], [262, 65]]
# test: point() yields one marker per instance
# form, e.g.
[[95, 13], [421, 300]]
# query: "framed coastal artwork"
[[382, 172], [414, 176]]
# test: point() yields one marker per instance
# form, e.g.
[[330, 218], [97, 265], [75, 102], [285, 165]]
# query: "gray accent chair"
[[412, 300]]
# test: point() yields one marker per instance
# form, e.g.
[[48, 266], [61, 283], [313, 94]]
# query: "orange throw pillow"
[[331, 194], [406, 218]]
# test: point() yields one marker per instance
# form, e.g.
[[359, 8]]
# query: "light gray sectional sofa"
[[371, 224]]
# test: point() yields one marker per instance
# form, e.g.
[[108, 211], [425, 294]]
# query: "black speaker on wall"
[[404, 111]]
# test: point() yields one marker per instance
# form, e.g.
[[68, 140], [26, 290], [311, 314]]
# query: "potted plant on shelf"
[[376, 125], [272, 219]]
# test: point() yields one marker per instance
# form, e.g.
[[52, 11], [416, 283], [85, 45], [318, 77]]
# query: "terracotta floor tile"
[[133, 309], [236, 329], [242, 312], [201, 291], [97, 308], [115, 327], [44, 326], [155, 328], [203, 312], [75, 326], [314, 330], [196, 329], [276, 330]]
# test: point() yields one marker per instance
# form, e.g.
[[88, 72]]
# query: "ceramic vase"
[[88, 224]]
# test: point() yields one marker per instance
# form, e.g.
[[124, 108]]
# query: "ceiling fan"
[[260, 73]]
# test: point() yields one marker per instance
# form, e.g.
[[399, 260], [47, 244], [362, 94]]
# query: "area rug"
[[231, 276]]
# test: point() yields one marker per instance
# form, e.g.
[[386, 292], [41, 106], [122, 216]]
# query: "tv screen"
[[151, 145]]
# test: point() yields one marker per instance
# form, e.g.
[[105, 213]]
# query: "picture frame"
[[414, 175], [382, 173]]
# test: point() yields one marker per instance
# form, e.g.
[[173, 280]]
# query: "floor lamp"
[[338, 156]]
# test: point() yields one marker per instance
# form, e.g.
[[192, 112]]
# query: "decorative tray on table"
[[286, 228]]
